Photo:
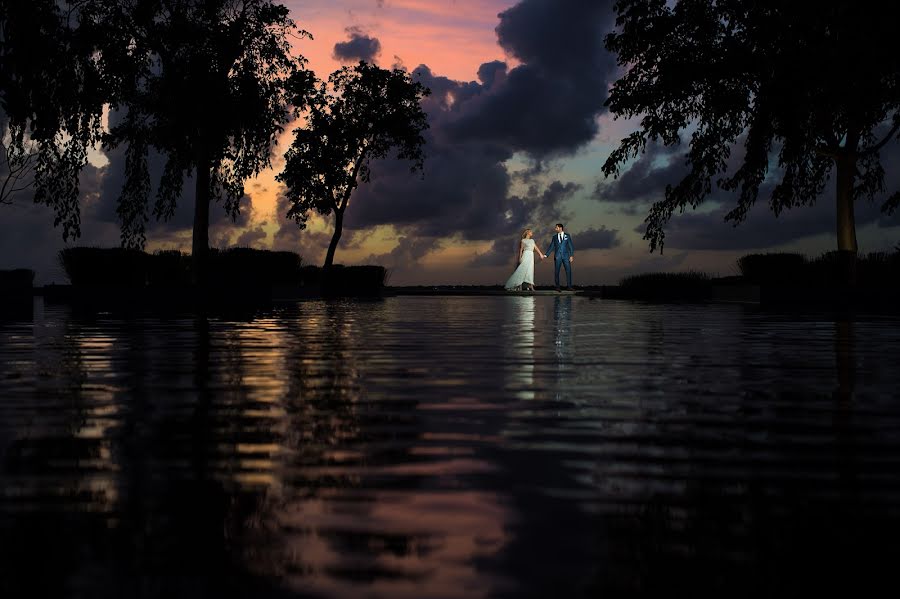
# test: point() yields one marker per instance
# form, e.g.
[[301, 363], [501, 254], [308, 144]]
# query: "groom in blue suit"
[[564, 254]]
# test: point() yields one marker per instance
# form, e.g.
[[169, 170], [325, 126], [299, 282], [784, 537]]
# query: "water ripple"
[[447, 447]]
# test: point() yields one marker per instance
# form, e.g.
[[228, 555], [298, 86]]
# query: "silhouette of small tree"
[[212, 83], [360, 114], [819, 90]]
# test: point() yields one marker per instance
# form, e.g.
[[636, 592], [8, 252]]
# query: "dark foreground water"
[[449, 447]]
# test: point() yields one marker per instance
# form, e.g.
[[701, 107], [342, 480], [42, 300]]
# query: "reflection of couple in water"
[[560, 246]]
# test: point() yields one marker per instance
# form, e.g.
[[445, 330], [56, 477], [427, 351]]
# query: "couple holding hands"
[[560, 246]]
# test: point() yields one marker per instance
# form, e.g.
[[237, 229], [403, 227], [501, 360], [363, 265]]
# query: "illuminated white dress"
[[524, 273]]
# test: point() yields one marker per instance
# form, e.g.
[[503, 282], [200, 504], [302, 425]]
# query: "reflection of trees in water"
[[787, 496], [335, 442], [132, 485], [60, 471], [247, 451], [364, 506], [765, 539], [845, 360]]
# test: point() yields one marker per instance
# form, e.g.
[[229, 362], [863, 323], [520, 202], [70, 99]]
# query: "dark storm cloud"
[[409, 251], [492, 72], [548, 104], [599, 238], [28, 238], [310, 244], [252, 237], [646, 179], [360, 46], [463, 190], [503, 252], [550, 201], [544, 107], [762, 229]]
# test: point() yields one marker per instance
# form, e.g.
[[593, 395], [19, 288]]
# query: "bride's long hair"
[[525, 233]]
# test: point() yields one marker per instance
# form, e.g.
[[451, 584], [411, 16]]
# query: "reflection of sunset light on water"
[[422, 447], [410, 542], [92, 353]]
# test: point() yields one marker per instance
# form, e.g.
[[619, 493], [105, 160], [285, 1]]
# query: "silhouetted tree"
[[52, 94], [214, 83], [360, 114], [818, 88]]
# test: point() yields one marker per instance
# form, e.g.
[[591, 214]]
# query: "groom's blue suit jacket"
[[563, 250]]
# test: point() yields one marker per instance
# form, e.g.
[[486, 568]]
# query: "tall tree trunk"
[[846, 220], [200, 245], [338, 228]]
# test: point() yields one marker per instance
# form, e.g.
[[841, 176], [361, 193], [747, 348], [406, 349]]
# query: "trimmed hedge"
[[246, 269], [95, 267], [234, 267]]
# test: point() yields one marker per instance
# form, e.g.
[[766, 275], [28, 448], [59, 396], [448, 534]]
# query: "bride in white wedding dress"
[[523, 276]]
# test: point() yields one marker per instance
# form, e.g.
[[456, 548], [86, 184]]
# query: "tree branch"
[[884, 141], [352, 180]]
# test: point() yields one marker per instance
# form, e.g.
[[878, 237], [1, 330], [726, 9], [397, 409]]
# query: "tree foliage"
[[360, 114], [210, 84], [52, 91], [814, 90]]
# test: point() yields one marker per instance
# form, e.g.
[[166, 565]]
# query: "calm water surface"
[[448, 447]]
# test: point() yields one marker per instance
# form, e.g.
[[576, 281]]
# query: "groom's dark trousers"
[[562, 261]]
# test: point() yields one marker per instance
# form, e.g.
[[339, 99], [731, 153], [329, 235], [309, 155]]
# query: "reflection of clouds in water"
[[413, 544], [520, 343]]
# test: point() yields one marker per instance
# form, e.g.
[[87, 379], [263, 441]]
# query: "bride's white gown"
[[524, 273]]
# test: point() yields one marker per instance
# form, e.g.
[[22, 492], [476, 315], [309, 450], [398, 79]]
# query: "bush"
[[92, 266], [251, 267], [345, 280], [169, 268], [690, 285], [246, 270], [772, 268], [874, 270], [236, 267], [16, 280]]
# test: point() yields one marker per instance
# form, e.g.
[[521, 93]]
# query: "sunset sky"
[[518, 135]]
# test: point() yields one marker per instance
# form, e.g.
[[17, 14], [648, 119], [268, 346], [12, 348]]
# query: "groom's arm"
[[571, 245], [549, 247]]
